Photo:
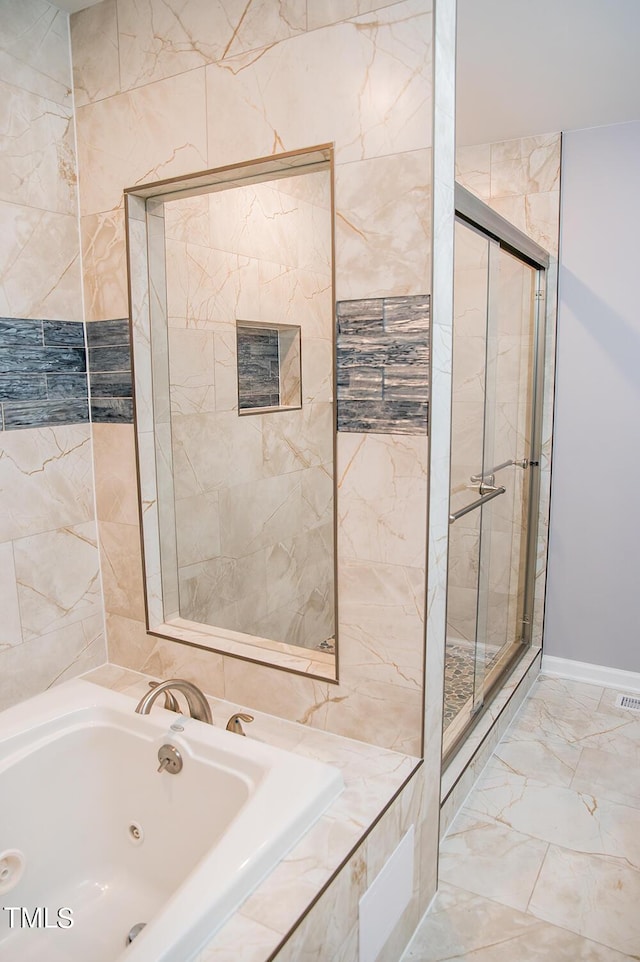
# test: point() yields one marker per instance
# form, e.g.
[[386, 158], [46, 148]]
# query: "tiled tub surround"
[[52, 618], [254, 494], [286, 95], [383, 364], [353, 839]]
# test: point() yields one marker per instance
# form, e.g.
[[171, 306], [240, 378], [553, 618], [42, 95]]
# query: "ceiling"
[[540, 66]]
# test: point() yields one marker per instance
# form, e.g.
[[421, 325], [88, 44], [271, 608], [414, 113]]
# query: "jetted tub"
[[91, 833]]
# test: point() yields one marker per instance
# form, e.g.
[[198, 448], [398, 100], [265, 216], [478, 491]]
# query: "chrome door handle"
[[476, 504]]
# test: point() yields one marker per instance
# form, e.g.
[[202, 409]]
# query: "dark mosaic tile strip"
[[112, 410], [23, 387], [43, 372], [108, 333], [20, 331], [116, 358], [38, 414], [258, 367], [116, 384], [383, 364], [36, 360], [63, 333], [66, 385]]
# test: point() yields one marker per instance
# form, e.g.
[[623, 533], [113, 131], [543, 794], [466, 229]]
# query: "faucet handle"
[[170, 700], [235, 722]]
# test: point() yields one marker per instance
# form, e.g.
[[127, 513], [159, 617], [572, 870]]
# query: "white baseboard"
[[594, 674]]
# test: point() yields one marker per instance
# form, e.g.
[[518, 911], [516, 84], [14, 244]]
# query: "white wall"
[[593, 601]]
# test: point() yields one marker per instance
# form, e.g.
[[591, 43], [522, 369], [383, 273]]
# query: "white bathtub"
[[95, 829]]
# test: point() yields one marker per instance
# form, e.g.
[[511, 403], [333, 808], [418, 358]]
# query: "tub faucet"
[[198, 705]]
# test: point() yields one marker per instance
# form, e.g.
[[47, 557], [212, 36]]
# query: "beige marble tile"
[[242, 931], [584, 822], [530, 165], [115, 470], [45, 660], [383, 226], [607, 776], [163, 39], [154, 132], [51, 595], [461, 926], [485, 857], [30, 238], [287, 695], [10, 628], [104, 265], [381, 623], [362, 709], [122, 569], [34, 49], [284, 97], [381, 481], [37, 157], [95, 54], [593, 896], [473, 169], [551, 762], [320, 13]]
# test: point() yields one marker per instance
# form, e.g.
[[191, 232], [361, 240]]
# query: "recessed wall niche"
[[269, 367]]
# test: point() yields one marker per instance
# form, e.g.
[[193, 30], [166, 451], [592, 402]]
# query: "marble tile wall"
[[52, 626], [224, 103], [220, 89]]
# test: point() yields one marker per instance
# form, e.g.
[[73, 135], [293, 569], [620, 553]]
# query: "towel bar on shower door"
[[475, 504]]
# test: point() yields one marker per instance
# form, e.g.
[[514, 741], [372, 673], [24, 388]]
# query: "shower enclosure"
[[499, 289]]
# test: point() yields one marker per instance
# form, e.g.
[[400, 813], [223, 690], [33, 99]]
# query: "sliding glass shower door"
[[493, 471]]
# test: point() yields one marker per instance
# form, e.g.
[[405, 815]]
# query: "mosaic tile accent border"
[[383, 364], [109, 353], [258, 367], [46, 368], [43, 373]]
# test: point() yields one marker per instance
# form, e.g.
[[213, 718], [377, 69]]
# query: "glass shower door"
[[491, 460]]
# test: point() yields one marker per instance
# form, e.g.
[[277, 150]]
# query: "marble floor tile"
[[595, 897], [607, 776], [482, 856], [461, 926], [543, 860]]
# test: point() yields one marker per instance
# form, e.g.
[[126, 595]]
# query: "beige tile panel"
[[104, 266], [37, 157], [30, 238], [34, 49], [147, 134], [95, 52], [34, 666], [46, 480], [284, 98], [320, 13], [10, 626], [161, 39], [383, 226], [122, 569], [115, 468]]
